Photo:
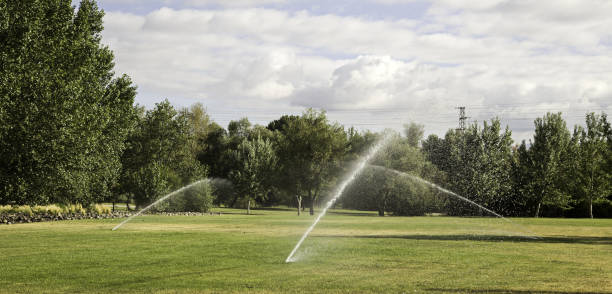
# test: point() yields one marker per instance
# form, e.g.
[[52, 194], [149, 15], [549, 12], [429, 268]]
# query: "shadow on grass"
[[275, 208], [508, 291], [148, 279], [353, 213], [491, 238]]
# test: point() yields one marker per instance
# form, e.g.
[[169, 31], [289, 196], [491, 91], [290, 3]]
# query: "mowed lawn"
[[349, 252]]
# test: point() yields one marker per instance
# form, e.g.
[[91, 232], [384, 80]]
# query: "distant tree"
[[199, 125], [256, 161], [239, 128], [281, 123], [212, 149], [160, 155], [401, 195], [476, 164], [549, 148], [310, 151], [64, 116], [521, 178], [593, 181], [414, 133], [358, 143]]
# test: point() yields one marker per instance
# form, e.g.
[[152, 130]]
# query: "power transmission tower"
[[462, 118]]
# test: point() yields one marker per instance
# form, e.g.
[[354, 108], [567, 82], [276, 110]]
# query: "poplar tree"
[[63, 114], [255, 161], [592, 180], [548, 151]]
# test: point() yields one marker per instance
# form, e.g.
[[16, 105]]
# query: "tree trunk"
[[113, 205], [127, 205], [537, 214], [299, 202], [311, 202], [591, 207], [234, 201], [311, 206], [381, 205], [249, 207]]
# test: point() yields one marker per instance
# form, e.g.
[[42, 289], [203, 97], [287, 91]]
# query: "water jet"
[[360, 166]]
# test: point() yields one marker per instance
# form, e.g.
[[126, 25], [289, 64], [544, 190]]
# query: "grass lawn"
[[349, 252]]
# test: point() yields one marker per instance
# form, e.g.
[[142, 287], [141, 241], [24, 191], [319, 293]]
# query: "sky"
[[370, 64]]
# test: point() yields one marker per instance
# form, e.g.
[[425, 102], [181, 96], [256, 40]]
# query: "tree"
[[256, 161], [63, 114], [592, 179], [414, 133], [549, 148], [310, 151], [212, 149], [160, 156], [477, 165], [521, 162]]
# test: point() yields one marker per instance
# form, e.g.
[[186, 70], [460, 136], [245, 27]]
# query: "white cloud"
[[513, 59]]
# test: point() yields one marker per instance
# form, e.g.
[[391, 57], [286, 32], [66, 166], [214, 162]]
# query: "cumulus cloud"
[[513, 59]]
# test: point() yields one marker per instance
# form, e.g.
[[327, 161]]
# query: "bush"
[[74, 209], [24, 209], [101, 209], [195, 199], [4, 209], [39, 209], [54, 209]]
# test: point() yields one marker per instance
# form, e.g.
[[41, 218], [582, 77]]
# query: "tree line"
[[70, 132]]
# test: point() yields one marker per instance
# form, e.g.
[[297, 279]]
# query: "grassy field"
[[349, 252]]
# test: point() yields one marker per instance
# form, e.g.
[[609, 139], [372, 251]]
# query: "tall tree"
[[414, 133], [548, 150], [63, 114], [593, 181], [256, 161], [311, 149], [477, 163], [160, 156], [521, 177]]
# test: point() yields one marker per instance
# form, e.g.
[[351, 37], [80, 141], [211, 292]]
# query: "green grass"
[[349, 252]]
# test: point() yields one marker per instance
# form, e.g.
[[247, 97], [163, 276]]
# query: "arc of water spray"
[[361, 165], [423, 181], [158, 201]]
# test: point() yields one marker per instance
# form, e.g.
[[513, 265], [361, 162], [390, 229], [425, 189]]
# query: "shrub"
[[5, 209], [74, 209], [23, 209], [195, 199], [38, 209], [101, 209], [54, 209]]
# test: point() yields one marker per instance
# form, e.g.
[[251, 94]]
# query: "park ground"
[[348, 252]]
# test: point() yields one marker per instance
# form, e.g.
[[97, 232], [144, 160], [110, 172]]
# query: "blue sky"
[[371, 64]]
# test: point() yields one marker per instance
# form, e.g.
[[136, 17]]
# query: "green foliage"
[[310, 153], [63, 116], [379, 188], [24, 209], [6, 209], [549, 168], [197, 198], [101, 209], [590, 180], [256, 161], [161, 153], [477, 165], [54, 209], [414, 133], [75, 209]]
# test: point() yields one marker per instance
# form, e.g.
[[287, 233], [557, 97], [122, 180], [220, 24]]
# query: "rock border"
[[20, 218]]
